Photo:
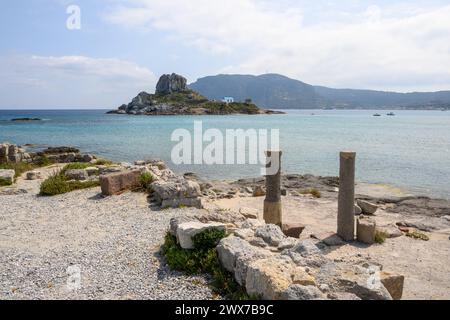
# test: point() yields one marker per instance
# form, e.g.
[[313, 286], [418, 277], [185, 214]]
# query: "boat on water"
[[377, 115], [391, 114]]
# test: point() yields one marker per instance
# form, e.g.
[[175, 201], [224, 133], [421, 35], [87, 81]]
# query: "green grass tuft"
[[203, 259], [418, 235], [380, 237], [145, 180]]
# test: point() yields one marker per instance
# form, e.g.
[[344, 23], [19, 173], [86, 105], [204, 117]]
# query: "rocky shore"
[[173, 97], [112, 234]]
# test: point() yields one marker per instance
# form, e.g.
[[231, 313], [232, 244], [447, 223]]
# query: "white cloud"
[[70, 81], [403, 46]]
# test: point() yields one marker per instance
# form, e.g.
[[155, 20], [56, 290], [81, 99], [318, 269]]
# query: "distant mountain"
[[280, 92]]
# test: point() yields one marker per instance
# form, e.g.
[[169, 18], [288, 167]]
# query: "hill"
[[280, 92]]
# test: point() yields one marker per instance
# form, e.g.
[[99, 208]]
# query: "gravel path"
[[82, 246]]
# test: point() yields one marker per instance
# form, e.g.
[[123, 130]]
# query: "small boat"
[[377, 115], [391, 114]]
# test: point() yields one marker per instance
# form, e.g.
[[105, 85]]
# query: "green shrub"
[[380, 237], [208, 239], [145, 179], [74, 166], [103, 162], [204, 259], [58, 184], [4, 183]]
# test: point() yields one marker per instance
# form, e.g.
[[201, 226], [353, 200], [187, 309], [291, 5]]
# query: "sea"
[[410, 150]]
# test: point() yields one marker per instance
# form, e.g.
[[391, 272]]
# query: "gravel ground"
[[113, 243]]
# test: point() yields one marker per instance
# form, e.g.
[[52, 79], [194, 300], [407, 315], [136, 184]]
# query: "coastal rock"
[[300, 292], [170, 83], [358, 210], [6, 177], [186, 231], [287, 243], [271, 234], [366, 229], [114, 183], [367, 207]]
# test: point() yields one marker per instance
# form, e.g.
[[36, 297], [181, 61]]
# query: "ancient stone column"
[[272, 203], [346, 201]]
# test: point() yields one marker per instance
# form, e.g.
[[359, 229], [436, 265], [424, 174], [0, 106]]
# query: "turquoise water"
[[410, 150]]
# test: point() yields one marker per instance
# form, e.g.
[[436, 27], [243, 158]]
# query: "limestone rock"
[[394, 284], [301, 277], [366, 229], [363, 282], [271, 234], [7, 177], [391, 231], [251, 224], [235, 254], [249, 213], [293, 230], [300, 292], [174, 191], [33, 175], [358, 210], [115, 183], [269, 278], [259, 191], [287, 243], [367, 207], [344, 296], [330, 239], [171, 83], [186, 231], [306, 248], [245, 234]]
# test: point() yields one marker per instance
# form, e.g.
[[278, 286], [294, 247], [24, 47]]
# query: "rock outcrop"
[[170, 83]]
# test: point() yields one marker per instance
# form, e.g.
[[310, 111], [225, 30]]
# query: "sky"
[[122, 47]]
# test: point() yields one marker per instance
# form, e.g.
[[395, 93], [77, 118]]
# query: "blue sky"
[[123, 46]]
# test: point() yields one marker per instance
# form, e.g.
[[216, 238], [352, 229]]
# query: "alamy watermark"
[[73, 22], [234, 146]]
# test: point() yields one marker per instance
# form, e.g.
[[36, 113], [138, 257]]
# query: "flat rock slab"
[[115, 183]]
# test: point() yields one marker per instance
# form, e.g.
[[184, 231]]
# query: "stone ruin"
[[168, 189], [270, 263], [15, 154]]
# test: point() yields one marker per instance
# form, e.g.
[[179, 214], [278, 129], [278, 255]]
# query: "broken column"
[[272, 203], [346, 202]]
